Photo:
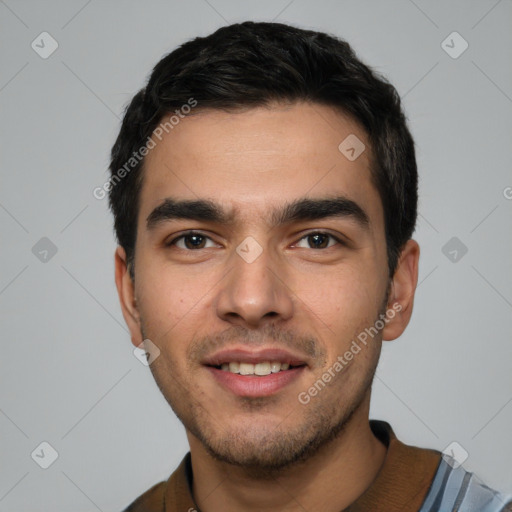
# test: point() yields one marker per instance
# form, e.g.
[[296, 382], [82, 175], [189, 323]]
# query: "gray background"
[[67, 369]]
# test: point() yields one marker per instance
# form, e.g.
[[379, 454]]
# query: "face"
[[260, 248]]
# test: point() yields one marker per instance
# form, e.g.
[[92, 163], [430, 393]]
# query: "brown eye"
[[194, 241], [319, 241], [191, 241]]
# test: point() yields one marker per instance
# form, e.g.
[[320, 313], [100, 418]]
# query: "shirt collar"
[[401, 484]]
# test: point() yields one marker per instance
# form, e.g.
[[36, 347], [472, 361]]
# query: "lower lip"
[[254, 385]]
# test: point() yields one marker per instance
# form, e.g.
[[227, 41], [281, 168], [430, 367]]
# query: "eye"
[[319, 240], [191, 241]]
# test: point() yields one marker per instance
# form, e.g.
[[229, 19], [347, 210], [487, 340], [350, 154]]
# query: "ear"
[[126, 292], [403, 287]]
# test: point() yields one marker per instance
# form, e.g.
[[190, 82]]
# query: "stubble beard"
[[265, 454]]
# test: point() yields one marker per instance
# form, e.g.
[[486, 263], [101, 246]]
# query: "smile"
[[261, 369], [255, 380]]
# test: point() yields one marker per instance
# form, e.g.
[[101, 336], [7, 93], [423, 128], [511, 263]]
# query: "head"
[[247, 230]]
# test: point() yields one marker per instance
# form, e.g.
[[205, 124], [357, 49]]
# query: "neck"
[[330, 480]]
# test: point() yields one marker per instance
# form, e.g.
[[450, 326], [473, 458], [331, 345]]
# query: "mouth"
[[255, 374], [260, 369]]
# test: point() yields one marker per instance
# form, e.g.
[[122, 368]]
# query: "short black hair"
[[253, 64]]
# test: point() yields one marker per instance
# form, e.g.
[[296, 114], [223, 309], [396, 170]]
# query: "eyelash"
[[198, 233]]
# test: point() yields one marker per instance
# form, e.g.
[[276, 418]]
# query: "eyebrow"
[[303, 209]]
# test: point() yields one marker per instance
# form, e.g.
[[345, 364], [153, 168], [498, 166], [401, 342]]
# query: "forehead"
[[249, 160]]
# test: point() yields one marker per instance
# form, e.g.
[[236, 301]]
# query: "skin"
[[267, 453]]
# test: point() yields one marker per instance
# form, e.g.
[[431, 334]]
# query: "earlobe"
[[401, 296], [126, 293]]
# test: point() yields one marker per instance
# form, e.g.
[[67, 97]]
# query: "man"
[[264, 189]]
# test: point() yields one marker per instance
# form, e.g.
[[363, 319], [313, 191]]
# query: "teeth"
[[265, 368], [262, 369], [275, 367], [234, 367], [246, 369]]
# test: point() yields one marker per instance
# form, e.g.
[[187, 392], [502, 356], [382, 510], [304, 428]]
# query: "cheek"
[[169, 299], [340, 297], [342, 306]]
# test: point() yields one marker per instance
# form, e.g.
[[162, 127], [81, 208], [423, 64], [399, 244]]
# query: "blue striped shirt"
[[456, 490]]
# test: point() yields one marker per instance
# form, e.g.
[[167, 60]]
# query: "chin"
[[263, 449]]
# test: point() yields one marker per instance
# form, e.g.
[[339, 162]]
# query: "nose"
[[255, 291]]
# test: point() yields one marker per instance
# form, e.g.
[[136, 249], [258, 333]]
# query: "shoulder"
[[454, 488], [151, 501], [173, 494]]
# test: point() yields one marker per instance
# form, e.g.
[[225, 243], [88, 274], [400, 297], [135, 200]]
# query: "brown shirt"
[[400, 486]]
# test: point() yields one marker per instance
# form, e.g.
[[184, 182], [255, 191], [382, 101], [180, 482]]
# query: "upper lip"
[[243, 355]]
